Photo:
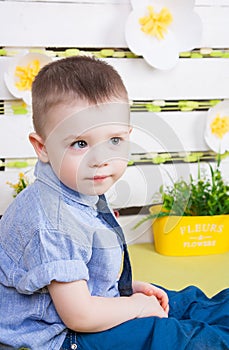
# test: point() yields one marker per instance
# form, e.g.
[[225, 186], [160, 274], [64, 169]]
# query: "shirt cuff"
[[42, 275]]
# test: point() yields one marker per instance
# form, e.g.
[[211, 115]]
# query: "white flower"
[[217, 127], [21, 72], [160, 29]]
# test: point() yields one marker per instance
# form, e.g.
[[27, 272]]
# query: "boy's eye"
[[115, 140], [79, 144]]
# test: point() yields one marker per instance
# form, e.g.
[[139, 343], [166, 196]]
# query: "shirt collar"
[[44, 173]]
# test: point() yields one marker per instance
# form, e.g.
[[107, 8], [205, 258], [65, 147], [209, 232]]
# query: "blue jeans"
[[195, 322], [70, 341]]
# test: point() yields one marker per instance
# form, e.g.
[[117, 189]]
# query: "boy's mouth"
[[100, 177]]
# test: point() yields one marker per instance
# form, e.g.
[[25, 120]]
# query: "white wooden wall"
[[100, 24]]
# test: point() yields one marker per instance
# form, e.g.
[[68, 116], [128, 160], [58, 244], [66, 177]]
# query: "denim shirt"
[[51, 232]]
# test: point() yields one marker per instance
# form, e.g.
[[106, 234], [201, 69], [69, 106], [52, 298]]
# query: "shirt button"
[[74, 346]]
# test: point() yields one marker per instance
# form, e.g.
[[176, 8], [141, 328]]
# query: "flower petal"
[[163, 55], [135, 38], [188, 36]]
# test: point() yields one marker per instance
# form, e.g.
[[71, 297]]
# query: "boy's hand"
[[148, 306], [149, 289]]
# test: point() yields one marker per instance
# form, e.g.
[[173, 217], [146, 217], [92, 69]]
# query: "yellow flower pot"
[[191, 235]]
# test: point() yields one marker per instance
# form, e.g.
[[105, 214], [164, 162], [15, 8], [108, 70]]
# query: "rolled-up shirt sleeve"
[[52, 255]]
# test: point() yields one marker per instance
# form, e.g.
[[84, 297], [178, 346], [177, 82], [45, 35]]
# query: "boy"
[[61, 247], [60, 258]]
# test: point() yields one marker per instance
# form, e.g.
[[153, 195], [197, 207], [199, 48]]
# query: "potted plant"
[[192, 217]]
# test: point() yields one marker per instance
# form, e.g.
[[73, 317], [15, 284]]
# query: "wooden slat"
[[215, 25], [190, 79], [58, 24], [4, 92], [46, 24], [168, 131], [14, 141]]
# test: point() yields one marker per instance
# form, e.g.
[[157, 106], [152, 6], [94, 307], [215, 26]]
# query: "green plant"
[[204, 196]]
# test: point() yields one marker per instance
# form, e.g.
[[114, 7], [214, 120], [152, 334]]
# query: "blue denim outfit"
[[51, 232]]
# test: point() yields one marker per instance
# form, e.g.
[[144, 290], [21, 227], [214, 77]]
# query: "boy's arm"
[[85, 313]]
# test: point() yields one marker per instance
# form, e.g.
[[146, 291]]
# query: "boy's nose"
[[98, 159], [98, 163]]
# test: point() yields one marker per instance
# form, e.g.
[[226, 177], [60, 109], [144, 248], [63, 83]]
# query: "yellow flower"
[[159, 30], [156, 24], [21, 72], [22, 183], [220, 126], [26, 75], [217, 127]]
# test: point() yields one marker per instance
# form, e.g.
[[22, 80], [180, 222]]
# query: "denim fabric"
[[70, 341], [195, 322], [51, 232]]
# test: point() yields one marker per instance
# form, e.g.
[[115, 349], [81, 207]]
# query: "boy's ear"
[[39, 146]]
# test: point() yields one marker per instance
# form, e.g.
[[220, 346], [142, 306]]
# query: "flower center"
[[26, 75], [220, 126], [156, 24]]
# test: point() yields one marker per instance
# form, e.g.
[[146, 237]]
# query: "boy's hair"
[[68, 79]]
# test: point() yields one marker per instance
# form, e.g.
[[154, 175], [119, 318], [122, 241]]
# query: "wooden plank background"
[[63, 24], [100, 24]]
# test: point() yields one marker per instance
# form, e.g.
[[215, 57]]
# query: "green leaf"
[[200, 197]]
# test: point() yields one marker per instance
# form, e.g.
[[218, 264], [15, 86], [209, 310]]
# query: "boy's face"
[[87, 146]]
